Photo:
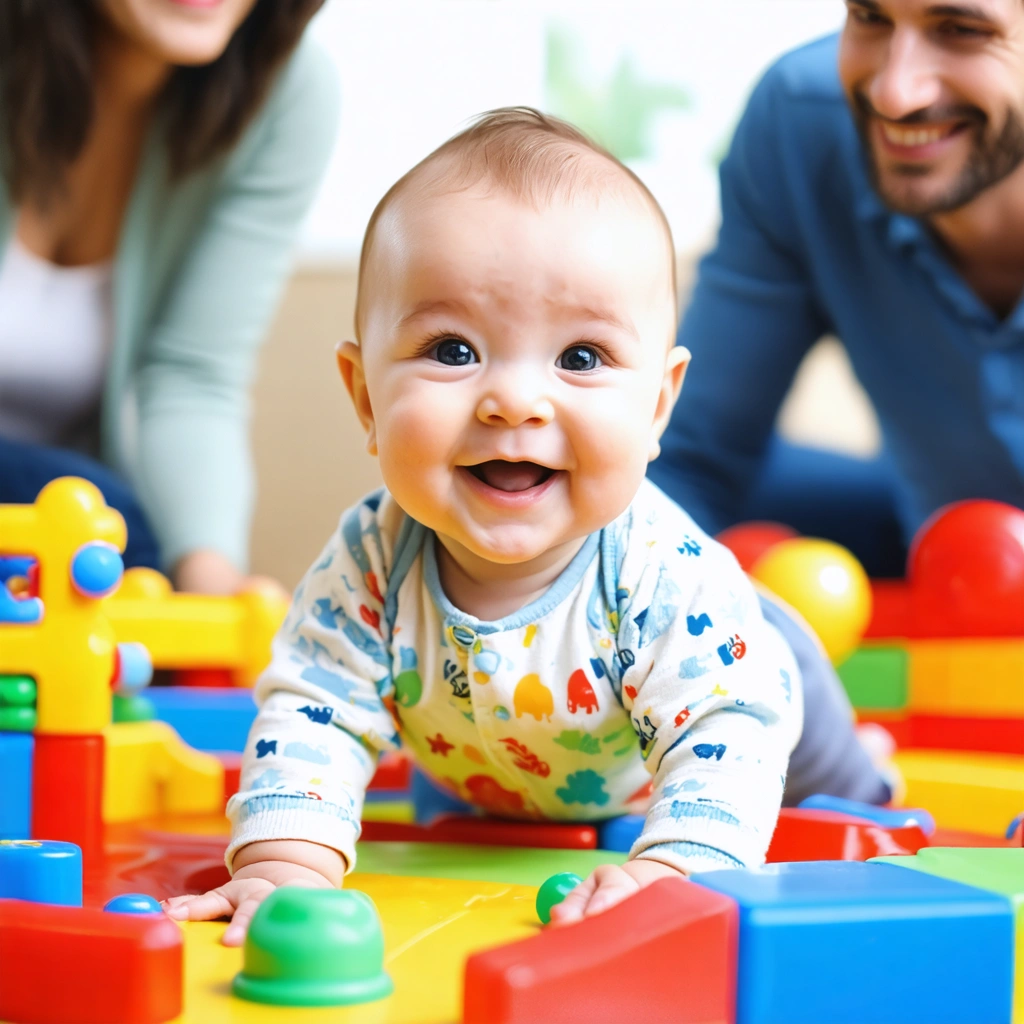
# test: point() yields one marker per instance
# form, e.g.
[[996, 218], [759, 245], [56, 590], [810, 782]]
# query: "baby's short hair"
[[532, 156]]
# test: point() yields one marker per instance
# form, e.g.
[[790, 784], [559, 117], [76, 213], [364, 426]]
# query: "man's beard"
[[989, 162]]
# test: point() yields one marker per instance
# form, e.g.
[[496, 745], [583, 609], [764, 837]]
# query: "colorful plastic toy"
[[69, 965], [16, 772], [998, 871], [41, 871], [966, 571], [677, 942], [826, 584], [868, 939], [553, 891], [314, 947], [195, 631], [133, 903]]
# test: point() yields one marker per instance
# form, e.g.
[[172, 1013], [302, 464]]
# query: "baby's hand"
[[609, 884], [259, 869]]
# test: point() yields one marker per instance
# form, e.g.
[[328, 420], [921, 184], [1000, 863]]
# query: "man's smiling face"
[[937, 91]]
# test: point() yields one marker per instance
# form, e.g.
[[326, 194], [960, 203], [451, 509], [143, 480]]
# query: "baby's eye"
[[454, 352], [579, 358]]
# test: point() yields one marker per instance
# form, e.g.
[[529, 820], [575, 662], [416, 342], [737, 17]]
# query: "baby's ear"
[[675, 370], [350, 363]]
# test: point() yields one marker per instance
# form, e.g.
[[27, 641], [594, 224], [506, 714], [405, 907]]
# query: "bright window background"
[[661, 82]]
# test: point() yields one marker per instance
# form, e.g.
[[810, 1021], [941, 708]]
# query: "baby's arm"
[[717, 693], [313, 747]]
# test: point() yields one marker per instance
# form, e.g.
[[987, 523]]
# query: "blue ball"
[[133, 903], [96, 569]]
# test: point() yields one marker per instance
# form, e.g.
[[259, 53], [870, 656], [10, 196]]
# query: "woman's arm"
[[194, 473]]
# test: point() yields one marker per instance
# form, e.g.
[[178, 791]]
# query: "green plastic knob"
[[17, 691], [133, 708], [314, 947], [553, 891]]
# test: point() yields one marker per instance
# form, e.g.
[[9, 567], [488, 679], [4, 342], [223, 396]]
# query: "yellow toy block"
[[967, 677], [150, 771], [195, 630], [970, 792], [431, 925], [70, 651]]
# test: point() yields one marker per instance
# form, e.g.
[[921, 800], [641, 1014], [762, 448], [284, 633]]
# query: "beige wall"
[[311, 462]]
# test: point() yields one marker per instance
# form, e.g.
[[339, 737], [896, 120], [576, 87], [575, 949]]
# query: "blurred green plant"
[[616, 112]]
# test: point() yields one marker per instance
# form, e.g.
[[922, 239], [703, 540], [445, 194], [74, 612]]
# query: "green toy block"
[[17, 692], [17, 719], [996, 870], [875, 678]]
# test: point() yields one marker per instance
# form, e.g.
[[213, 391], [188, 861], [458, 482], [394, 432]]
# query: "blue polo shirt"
[[807, 248]]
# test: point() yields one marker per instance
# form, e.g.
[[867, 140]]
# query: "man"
[[884, 204]]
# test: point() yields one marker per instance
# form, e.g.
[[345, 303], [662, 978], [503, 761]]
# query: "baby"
[[551, 637]]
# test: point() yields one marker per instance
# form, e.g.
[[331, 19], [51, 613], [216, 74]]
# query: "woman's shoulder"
[[300, 115]]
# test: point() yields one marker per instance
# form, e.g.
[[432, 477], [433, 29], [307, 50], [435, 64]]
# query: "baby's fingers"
[[574, 905], [204, 907], [234, 934]]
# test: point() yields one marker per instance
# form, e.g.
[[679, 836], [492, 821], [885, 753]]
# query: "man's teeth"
[[913, 136]]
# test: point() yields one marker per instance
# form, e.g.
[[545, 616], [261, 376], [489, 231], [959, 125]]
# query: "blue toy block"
[[884, 816], [848, 943], [16, 750], [41, 871], [430, 801], [619, 834], [15, 565], [206, 718]]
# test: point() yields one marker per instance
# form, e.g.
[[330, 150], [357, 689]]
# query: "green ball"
[[314, 947], [553, 891], [134, 708]]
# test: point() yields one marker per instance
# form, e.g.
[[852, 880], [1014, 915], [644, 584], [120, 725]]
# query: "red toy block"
[[890, 610], [217, 678], [896, 723], [69, 965], [951, 732], [393, 772], [455, 828], [666, 954], [810, 834], [67, 791]]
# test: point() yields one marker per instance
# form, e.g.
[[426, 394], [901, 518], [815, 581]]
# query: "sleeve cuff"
[[270, 817]]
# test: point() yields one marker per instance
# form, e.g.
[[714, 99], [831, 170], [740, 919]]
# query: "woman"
[[158, 157]]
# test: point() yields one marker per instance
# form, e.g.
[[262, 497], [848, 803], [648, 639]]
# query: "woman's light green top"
[[198, 272]]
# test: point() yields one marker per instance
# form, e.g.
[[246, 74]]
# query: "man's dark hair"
[[46, 87]]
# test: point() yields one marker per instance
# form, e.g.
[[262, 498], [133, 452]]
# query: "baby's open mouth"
[[510, 476]]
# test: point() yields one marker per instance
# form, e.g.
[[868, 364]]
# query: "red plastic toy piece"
[[455, 828], [67, 791], [806, 834], [69, 965], [890, 610], [232, 763], [949, 732], [680, 939], [966, 571], [749, 541], [393, 772], [218, 678]]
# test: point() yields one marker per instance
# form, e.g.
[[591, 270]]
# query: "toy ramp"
[[149, 771]]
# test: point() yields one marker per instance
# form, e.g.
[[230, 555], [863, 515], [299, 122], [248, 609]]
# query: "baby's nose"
[[515, 400]]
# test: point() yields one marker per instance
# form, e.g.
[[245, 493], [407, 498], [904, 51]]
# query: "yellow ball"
[[825, 584]]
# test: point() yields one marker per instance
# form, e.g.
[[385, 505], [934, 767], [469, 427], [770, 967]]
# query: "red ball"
[[749, 541], [966, 571]]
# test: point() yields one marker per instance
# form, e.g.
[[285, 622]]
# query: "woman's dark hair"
[[46, 87]]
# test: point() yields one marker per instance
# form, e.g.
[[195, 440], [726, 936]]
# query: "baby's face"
[[517, 365]]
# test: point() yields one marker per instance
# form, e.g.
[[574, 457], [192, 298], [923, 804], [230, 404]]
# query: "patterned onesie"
[[648, 657]]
